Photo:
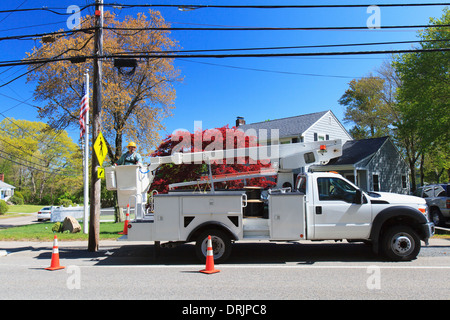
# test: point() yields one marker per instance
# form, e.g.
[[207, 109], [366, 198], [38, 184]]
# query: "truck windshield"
[[332, 189]]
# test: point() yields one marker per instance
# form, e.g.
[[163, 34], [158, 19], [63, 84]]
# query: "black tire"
[[437, 218], [221, 244], [400, 243]]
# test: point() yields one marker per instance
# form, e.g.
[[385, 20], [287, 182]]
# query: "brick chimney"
[[2, 177], [240, 121]]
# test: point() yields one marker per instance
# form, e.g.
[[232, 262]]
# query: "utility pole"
[[94, 216]]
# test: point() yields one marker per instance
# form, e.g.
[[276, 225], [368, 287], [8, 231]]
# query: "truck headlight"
[[424, 210]]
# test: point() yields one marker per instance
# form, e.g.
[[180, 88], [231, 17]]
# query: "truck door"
[[336, 215]]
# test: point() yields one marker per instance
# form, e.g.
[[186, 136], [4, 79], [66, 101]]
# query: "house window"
[[375, 182], [321, 136], [404, 183]]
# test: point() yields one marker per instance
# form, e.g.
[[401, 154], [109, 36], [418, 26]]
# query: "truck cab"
[[340, 210]]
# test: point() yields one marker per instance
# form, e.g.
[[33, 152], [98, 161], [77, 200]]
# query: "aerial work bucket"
[[129, 181]]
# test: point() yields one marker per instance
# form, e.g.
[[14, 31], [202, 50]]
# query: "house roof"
[[4, 185], [288, 127], [355, 151]]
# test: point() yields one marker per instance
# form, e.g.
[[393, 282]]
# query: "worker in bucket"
[[131, 156]]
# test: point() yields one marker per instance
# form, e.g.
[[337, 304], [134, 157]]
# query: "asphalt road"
[[255, 271]]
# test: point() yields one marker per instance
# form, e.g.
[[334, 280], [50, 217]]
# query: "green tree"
[[41, 161], [135, 101], [366, 107], [424, 94]]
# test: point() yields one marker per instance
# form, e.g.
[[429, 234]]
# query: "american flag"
[[84, 108]]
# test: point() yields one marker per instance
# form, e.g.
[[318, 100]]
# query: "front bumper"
[[428, 231]]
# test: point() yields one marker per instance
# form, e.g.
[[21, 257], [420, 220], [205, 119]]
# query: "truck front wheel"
[[221, 244], [400, 243]]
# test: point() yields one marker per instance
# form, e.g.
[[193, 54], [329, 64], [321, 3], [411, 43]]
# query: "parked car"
[[437, 197], [44, 213]]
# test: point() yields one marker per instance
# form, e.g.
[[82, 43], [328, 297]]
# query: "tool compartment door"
[[287, 215], [167, 218]]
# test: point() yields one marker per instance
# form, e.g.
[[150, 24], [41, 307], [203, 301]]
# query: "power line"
[[34, 168], [48, 34], [296, 47], [92, 29], [331, 6], [271, 71], [20, 148], [196, 6], [272, 28], [263, 55], [153, 55]]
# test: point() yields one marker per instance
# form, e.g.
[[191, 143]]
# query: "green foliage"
[[43, 232], [423, 97], [64, 202], [3, 207], [57, 227], [16, 199], [18, 194], [39, 161], [366, 106]]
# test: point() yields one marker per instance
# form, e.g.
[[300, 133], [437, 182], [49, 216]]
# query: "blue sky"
[[215, 91]]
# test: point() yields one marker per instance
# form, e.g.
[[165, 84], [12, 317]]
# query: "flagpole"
[[86, 164]]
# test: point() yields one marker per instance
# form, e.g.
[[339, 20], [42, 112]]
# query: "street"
[[255, 271]]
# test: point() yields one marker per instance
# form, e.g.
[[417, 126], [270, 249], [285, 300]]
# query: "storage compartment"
[[255, 205], [287, 216]]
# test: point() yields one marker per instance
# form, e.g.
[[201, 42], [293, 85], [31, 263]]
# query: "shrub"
[[65, 202], [57, 227], [16, 200], [3, 207]]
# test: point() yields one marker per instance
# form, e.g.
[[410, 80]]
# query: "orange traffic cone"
[[54, 265], [209, 268], [125, 225]]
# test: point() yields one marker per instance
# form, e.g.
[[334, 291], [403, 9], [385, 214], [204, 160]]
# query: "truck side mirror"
[[358, 197]]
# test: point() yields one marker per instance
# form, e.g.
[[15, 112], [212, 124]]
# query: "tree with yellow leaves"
[[134, 101]]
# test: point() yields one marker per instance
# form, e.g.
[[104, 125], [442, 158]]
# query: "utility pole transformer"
[[94, 221]]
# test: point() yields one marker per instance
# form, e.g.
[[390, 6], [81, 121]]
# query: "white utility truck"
[[317, 206]]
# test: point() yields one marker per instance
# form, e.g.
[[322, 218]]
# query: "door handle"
[[318, 210]]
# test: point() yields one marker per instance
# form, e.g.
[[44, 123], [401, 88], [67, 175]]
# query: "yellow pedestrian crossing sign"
[[100, 148]]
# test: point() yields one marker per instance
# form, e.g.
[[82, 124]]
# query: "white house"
[[316, 126], [6, 190], [373, 164]]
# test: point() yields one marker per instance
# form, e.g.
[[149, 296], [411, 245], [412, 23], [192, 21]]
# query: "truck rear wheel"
[[400, 243], [221, 244]]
